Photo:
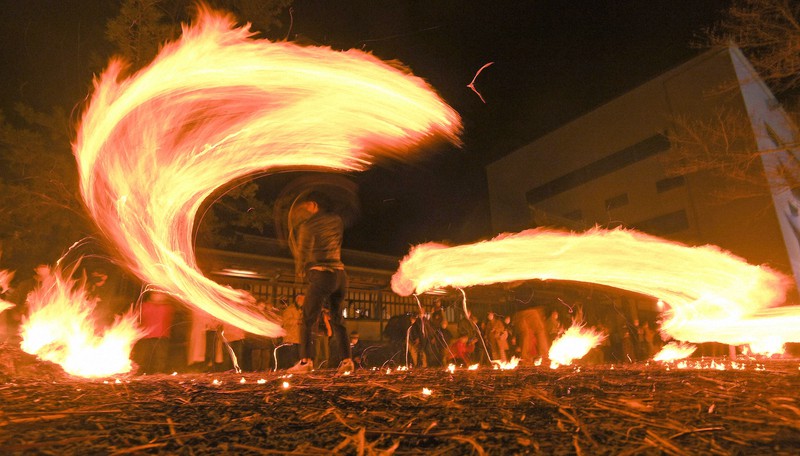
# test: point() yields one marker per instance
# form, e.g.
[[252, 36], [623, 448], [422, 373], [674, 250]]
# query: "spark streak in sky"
[[713, 295], [217, 106]]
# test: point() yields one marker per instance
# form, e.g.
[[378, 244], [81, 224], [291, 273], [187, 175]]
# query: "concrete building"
[[608, 167]]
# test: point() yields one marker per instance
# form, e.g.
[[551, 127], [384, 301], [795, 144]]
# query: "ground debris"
[[632, 409]]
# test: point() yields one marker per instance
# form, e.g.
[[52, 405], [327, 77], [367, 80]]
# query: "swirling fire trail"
[[713, 295], [217, 106]]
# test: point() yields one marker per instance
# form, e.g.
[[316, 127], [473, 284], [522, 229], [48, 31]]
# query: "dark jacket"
[[319, 243]]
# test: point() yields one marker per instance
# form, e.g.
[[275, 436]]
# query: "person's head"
[[444, 324], [508, 320], [353, 337], [263, 304], [554, 315], [299, 300], [490, 316], [313, 202]]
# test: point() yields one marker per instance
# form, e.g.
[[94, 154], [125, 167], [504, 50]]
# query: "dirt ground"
[[589, 410]]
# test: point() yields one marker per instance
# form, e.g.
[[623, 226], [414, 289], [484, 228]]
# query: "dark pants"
[[322, 285]]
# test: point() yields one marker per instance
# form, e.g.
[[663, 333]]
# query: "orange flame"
[[713, 295], [217, 106], [674, 351], [60, 329], [506, 365], [574, 344], [5, 281]]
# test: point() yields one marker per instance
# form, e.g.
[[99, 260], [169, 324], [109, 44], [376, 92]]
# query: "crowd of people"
[[429, 340], [176, 337]]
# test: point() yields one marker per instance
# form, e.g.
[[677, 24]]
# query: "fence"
[[360, 304]]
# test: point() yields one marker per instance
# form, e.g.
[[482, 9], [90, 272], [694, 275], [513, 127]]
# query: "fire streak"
[[713, 295], [217, 106], [60, 329]]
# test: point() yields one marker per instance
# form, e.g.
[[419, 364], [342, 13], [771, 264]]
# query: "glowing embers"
[[217, 106], [574, 344], [506, 365], [60, 329]]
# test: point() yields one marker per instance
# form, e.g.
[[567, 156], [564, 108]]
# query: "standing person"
[[292, 317], [437, 314], [324, 334], [531, 334], [417, 342], [396, 330], [318, 255], [554, 327], [443, 339], [498, 337], [356, 348], [258, 349], [152, 351]]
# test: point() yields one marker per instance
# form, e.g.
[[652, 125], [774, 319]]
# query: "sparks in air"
[[217, 106], [60, 329], [713, 296]]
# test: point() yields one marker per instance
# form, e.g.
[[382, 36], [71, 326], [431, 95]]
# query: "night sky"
[[553, 61]]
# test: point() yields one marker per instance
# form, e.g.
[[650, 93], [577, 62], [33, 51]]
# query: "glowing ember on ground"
[[507, 365], [713, 296], [674, 351], [217, 106], [60, 329], [575, 343]]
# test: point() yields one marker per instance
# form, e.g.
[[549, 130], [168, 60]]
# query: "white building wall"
[[747, 227]]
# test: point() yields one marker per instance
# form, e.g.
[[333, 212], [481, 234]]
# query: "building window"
[[576, 215], [606, 165], [669, 183], [664, 224], [617, 201]]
